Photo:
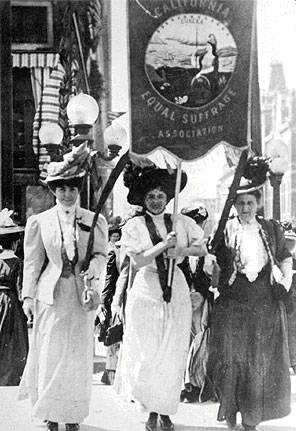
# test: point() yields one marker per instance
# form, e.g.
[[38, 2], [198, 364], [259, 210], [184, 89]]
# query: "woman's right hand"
[[170, 240], [28, 307]]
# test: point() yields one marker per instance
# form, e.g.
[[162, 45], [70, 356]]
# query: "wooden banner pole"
[[229, 201], [171, 268], [105, 193]]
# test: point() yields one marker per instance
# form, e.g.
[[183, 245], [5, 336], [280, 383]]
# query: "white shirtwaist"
[[156, 338]]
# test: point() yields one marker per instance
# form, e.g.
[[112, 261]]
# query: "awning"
[[27, 59]]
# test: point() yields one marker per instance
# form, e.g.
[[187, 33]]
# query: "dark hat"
[[72, 166], [114, 229], [255, 175], [198, 214], [140, 180]]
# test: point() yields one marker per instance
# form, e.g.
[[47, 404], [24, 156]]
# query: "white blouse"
[[67, 217], [253, 254], [136, 239]]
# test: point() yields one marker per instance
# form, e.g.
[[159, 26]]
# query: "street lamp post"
[[51, 136], [83, 111], [275, 182], [277, 150]]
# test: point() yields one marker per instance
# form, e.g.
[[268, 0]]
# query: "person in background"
[[58, 374], [201, 301], [14, 342], [157, 316], [290, 236], [112, 274], [249, 358]]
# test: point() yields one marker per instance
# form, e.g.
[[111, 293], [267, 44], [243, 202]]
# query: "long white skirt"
[[58, 373], [155, 343]]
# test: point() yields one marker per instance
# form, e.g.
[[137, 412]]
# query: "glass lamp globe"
[[115, 136], [277, 150], [50, 133], [279, 165], [82, 110]]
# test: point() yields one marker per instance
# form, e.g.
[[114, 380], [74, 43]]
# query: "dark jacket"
[[276, 240]]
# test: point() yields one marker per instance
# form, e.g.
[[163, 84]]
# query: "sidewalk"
[[107, 415]]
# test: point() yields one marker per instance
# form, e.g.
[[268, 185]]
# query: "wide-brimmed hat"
[[254, 176], [141, 180], [114, 229], [73, 165], [7, 225], [198, 213]]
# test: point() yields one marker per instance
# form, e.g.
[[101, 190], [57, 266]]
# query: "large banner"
[[189, 74]]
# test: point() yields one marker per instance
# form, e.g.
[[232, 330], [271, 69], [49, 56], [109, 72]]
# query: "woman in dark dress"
[[291, 301], [249, 357], [13, 322], [112, 274], [201, 301]]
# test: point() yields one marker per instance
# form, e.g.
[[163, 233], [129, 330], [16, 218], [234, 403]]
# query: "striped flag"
[[112, 115]]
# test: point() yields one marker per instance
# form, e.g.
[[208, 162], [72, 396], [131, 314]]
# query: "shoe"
[[249, 427], [165, 423], [183, 395], [231, 421], [151, 424], [72, 427], [52, 426]]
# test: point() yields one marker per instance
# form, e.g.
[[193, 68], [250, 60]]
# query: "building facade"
[[50, 51], [278, 115]]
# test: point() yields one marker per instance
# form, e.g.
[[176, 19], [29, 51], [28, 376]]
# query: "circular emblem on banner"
[[190, 59]]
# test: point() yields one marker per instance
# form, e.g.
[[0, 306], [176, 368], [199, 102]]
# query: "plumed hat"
[[288, 231], [113, 228], [140, 180], [198, 214], [73, 165], [255, 175], [7, 225]]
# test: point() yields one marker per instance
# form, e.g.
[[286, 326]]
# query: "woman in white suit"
[[58, 373]]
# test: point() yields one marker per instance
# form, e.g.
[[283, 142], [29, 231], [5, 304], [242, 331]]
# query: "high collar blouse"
[[67, 221], [136, 239]]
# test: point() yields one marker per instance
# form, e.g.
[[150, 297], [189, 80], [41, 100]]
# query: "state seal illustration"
[[190, 59]]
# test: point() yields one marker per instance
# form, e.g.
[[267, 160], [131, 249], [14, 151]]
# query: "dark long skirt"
[[249, 357], [13, 339], [291, 315]]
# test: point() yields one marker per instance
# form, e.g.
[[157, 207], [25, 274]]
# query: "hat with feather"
[[141, 179], [255, 175], [198, 213], [7, 225], [72, 166]]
